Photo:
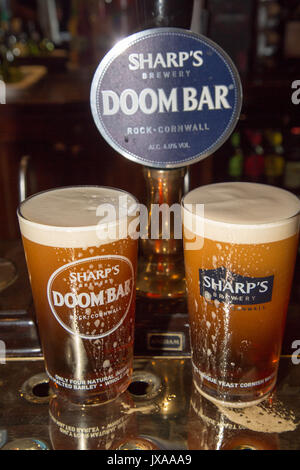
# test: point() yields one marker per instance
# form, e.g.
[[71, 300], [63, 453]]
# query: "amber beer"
[[82, 266], [239, 261]]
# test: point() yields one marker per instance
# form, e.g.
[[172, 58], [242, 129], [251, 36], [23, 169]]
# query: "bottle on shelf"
[[236, 160], [34, 38], [18, 38], [274, 158], [254, 166], [269, 26], [8, 71], [291, 180], [291, 37]]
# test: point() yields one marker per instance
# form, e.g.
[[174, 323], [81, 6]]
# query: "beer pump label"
[[224, 286], [91, 297], [166, 97]]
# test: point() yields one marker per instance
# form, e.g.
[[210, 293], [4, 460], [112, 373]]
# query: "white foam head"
[[75, 217], [242, 212]]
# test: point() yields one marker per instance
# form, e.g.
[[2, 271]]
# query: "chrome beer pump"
[[164, 98]]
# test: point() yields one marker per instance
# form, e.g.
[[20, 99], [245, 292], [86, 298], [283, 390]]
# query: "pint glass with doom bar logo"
[[82, 267], [239, 253]]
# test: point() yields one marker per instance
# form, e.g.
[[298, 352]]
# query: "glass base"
[[8, 273], [233, 401]]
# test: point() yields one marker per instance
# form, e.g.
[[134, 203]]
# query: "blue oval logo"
[[166, 97]]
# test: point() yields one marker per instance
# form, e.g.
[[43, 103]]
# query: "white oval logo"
[[91, 297]]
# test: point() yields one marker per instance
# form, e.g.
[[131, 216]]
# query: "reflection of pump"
[[210, 429]]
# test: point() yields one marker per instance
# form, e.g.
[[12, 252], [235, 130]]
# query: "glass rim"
[[75, 228], [238, 224]]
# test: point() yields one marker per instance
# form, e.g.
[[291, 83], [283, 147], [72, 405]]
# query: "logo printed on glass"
[[166, 97], [91, 297], [224, 286], [2, 92]]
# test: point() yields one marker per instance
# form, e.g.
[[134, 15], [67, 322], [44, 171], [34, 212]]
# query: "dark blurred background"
[[49, 50]]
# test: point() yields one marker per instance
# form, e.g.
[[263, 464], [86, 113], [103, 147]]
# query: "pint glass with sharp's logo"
[[82, 267], [239, 261]]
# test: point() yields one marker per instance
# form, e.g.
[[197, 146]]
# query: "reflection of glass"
[[99, 427], [210, 429], [106, 426], [8, 273], [239, 260]]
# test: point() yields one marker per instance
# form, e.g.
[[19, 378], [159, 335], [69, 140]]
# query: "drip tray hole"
[[144, 385], [138, 388], [36, 389], [41, 390]]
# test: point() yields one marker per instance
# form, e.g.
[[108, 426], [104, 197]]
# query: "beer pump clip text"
[[166, 97]]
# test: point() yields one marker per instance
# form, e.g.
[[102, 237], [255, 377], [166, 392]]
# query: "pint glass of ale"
[[82, 261], [240, 244]]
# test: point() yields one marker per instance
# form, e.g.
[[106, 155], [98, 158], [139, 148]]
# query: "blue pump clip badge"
[[166, 97]]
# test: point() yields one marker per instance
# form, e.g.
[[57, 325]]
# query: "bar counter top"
[[161, 410]]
